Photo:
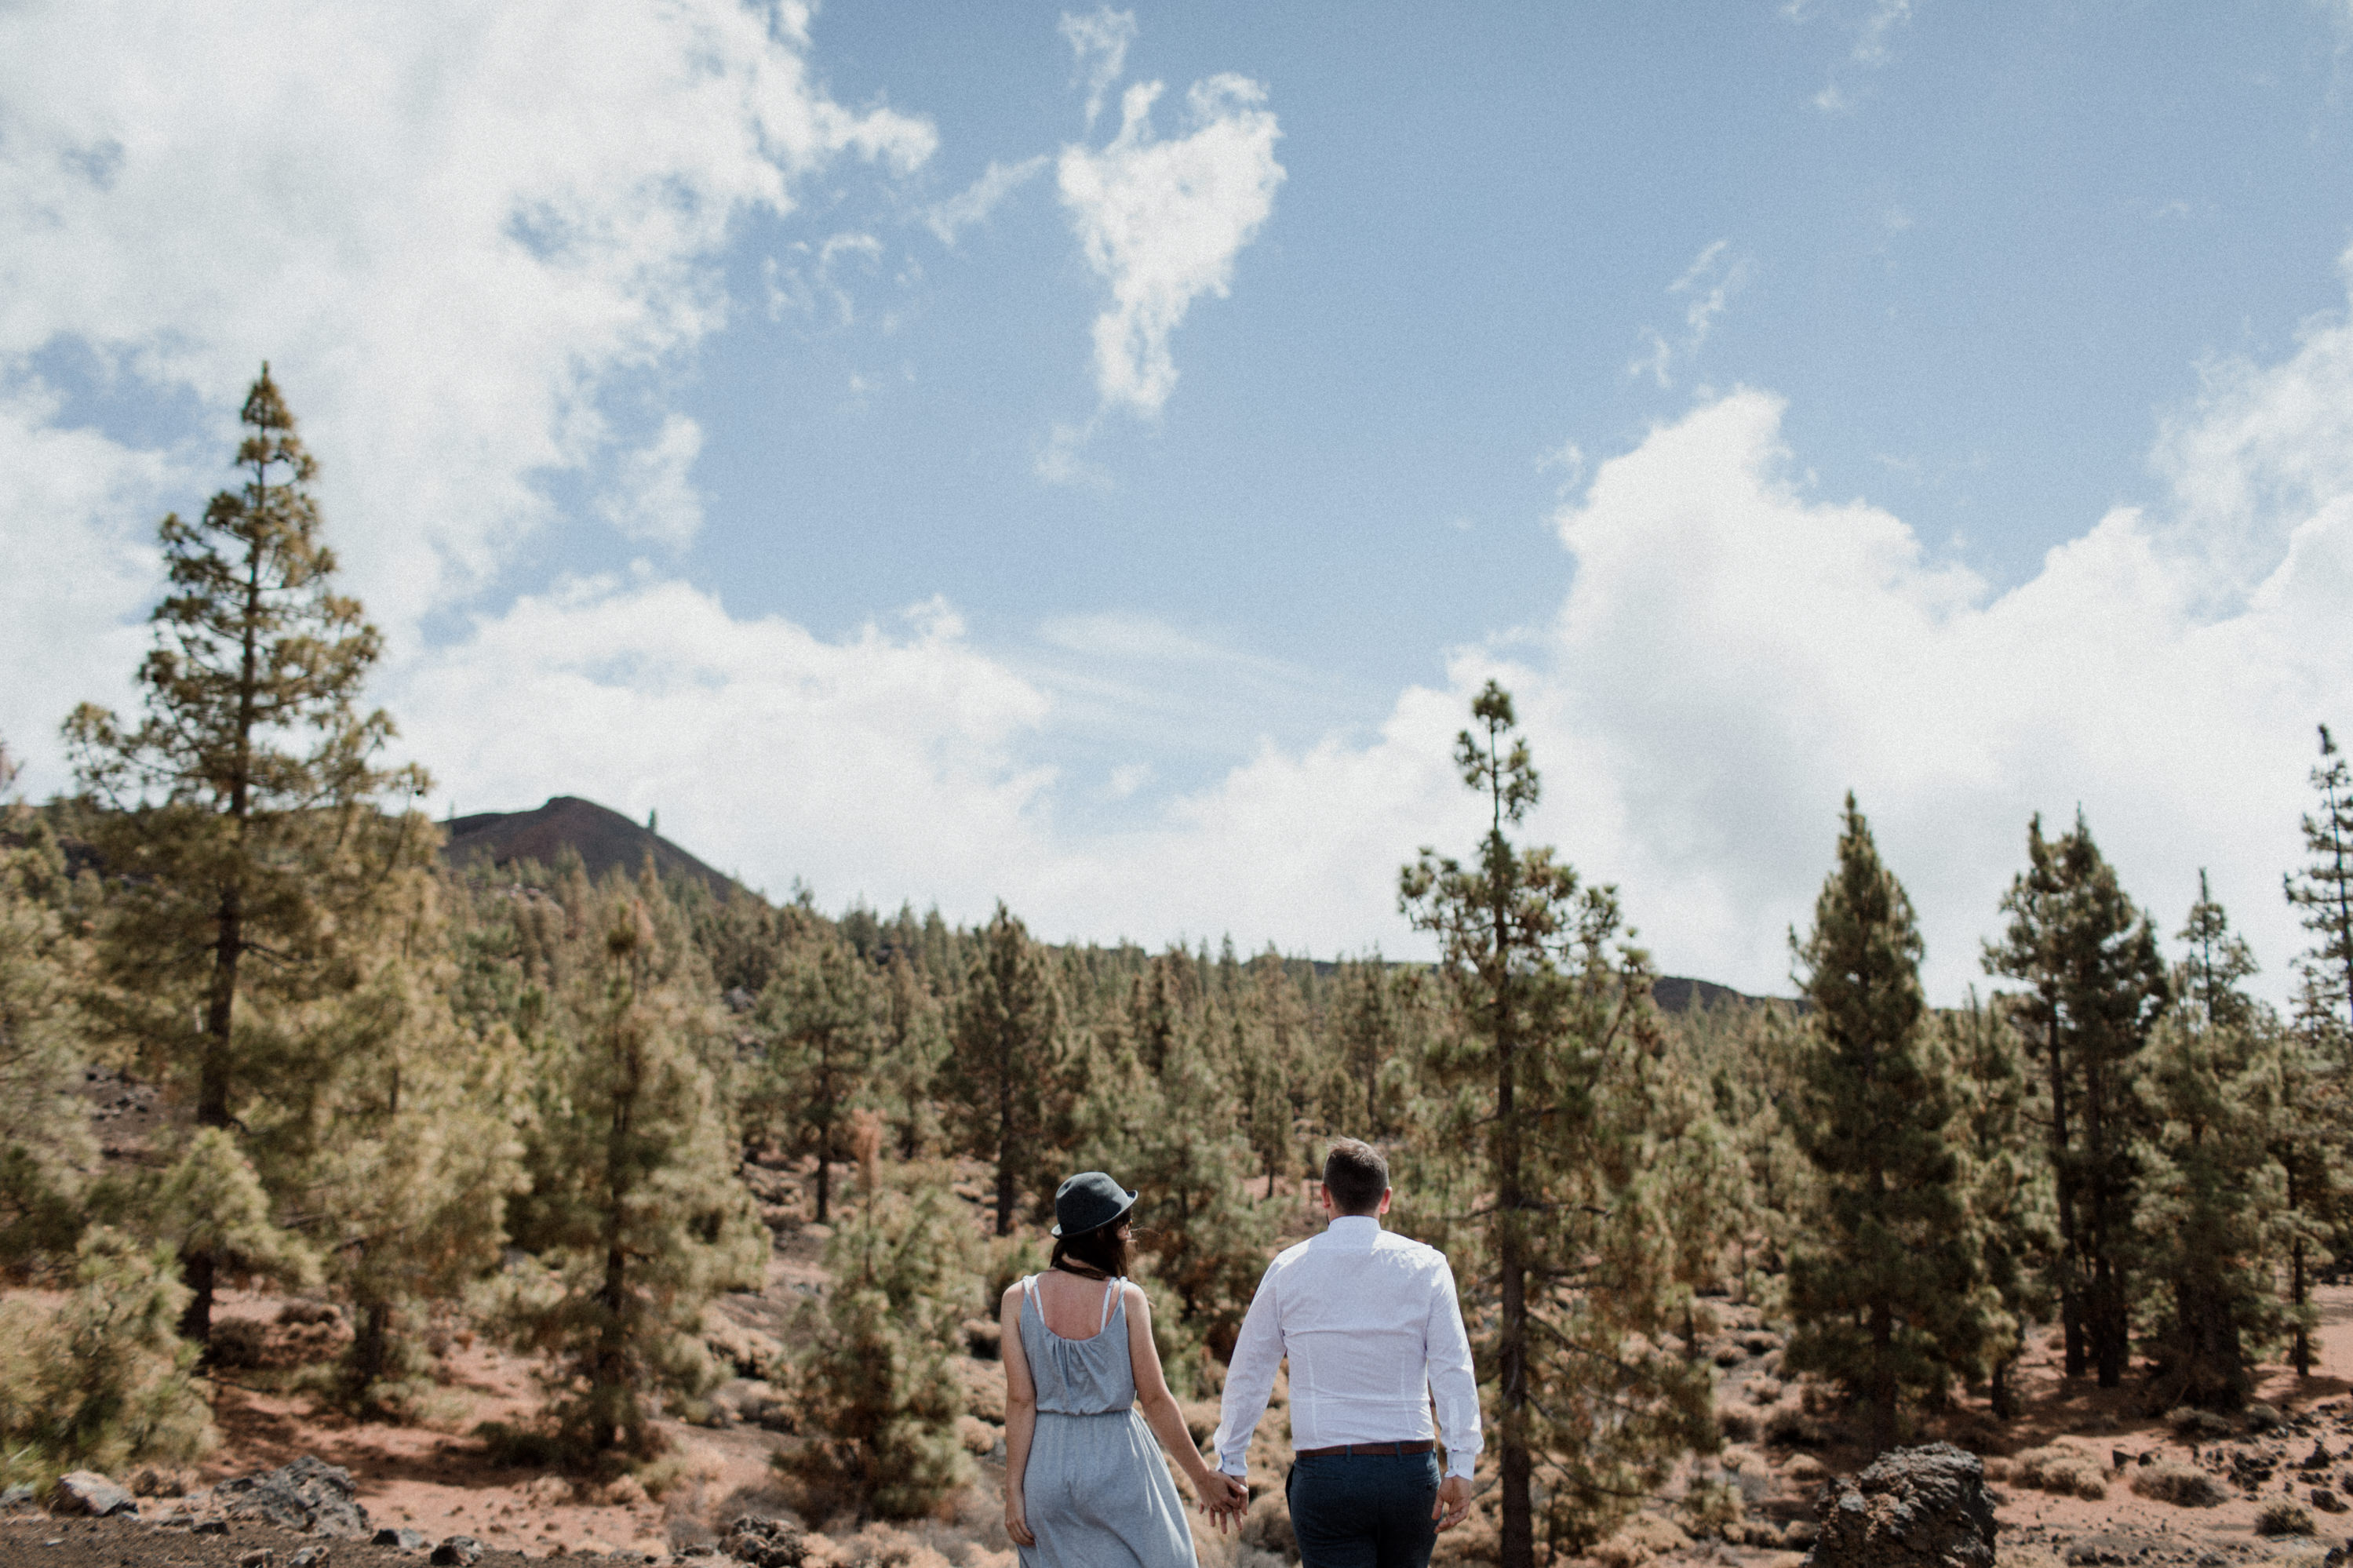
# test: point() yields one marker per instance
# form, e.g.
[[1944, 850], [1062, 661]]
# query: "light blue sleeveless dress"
[[1096, 1492]]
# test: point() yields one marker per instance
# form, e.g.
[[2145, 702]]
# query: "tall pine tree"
[[2314, 1141], [241, 815], [818, 1018], [1886, 1292], [1532, 1154], [634, 1213], [1005, 1035], [2096, 989], [2212, 1197]]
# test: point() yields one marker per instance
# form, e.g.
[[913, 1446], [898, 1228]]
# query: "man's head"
[[1355, 1178]]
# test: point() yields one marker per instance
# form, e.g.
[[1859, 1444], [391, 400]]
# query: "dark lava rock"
[[212, 1527], [87, 1492], [407, 1540], [308, 1494], [763, 1542], [457, 1551], [1912, 1507]]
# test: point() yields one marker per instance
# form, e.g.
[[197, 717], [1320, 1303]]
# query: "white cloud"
[[76, 516], [655, 499], [1873, 47], [1706, 286], [1732, 655], [885, 764], [973, 204], [1735, 654], [452, 230], [1162, 222], [1100, 43]]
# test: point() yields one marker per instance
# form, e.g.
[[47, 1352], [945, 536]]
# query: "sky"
[[1089, 458]]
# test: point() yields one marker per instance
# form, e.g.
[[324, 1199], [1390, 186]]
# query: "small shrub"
[[1738, 1425], [238, 1344], [1713, 1509], [874, 1385], [102, 1381], [1730, 1355], [1788, 1426], [2283, 1518], [2193, 1424], [2261, 1417], [2061, 1470], [2184, 1486], [1638, 1540]]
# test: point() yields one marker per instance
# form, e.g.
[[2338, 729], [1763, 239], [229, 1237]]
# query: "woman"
[[1084, 1488]]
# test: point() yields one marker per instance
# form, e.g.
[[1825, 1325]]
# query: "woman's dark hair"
[[1099, 1254]]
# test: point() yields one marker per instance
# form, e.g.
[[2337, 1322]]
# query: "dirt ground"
[[439, 1481]]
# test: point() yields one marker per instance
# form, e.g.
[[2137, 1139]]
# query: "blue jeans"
[[1364, 1511]]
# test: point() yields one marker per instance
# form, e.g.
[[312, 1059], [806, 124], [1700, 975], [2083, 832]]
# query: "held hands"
[[1223, 1497], [1453, 1504]]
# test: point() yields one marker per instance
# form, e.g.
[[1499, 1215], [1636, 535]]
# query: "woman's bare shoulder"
[[1011, 1299], [1137, 1301]]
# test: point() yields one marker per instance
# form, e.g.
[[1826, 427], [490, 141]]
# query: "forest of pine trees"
[[521, 1099]]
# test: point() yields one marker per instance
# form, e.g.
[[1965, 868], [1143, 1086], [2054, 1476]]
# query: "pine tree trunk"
[[824, 1182], [608, 1361], [371, 1349], [2300, 1342], [2002, 1397], [1883, 1377], [1004, 1144], [1517, 1466], [2071, 1298]]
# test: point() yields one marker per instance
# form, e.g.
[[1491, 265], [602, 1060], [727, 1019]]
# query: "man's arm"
[[1454, 1385], [1249, 1376]]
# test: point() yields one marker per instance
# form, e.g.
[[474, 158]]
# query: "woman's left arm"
[[1221, 1496]]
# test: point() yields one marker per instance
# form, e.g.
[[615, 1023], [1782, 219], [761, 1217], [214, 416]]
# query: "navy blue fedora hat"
[[1089, 1201]]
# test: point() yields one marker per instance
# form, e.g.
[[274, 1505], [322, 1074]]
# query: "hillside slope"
[[604, 839]]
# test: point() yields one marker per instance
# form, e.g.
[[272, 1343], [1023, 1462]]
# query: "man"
[[1374, 1332]]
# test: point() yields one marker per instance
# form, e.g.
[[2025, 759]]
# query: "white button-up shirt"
[[1374, 1332]]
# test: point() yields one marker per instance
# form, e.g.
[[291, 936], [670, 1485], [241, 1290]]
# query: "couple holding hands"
[[1374, 1334]]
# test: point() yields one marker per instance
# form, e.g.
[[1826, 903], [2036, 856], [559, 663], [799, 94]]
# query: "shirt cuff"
[[1237, 1469], [1461, 1465]]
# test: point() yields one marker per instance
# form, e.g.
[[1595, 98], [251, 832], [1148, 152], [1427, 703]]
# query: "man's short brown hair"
[[1357, 1175]]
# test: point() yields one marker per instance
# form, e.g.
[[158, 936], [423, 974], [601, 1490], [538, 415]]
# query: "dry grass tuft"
[[2184, 1486], [2063, 1470]]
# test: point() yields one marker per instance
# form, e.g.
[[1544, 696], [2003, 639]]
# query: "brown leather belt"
[[1424, 1447]]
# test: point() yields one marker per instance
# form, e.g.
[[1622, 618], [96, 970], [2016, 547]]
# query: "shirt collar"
[[1354, 1230]]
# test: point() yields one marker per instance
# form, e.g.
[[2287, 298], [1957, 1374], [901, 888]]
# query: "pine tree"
[[414, 1155], [818, 1017], [240, 815], [46, 1152], [1542, 1090], [2213, 1193], [2313, 1141], [634, 1212], [1884, 1294], [2097, 989], [101, 1380], [1003, 1038], [2322, 892], [914, 1042], [874, 1379], [2008, 1181], [1369, 1028]]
